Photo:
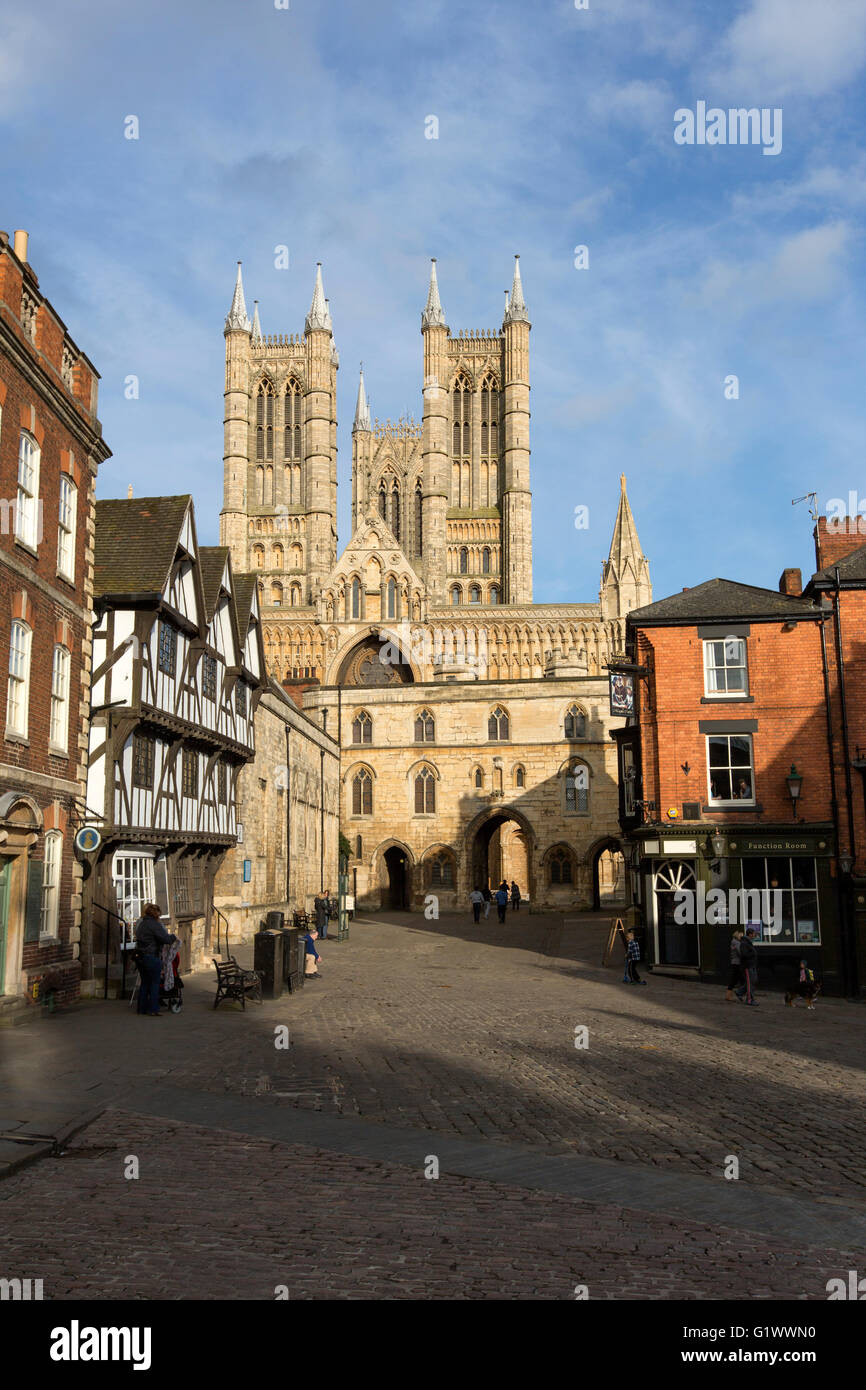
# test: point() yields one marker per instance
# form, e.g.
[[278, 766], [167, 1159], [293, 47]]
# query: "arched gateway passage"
[[500, 847], [395, 888]]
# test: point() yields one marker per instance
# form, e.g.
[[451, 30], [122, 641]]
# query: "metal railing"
[[125, 925]]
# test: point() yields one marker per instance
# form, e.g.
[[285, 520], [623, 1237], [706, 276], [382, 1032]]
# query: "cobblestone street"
[[558, 1165]]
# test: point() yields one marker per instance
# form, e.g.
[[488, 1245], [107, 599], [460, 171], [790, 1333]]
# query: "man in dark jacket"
[[150, 937], [322, 907]]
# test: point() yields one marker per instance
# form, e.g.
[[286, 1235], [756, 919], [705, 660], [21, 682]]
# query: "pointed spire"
[[516, 311], [237, 317], [319, 315], [433, 315], [362, 409], [624, 544], [625, 578], [257, 327]]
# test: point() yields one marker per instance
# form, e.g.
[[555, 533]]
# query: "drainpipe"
[[321, 819], [288, 823], [849, 952]]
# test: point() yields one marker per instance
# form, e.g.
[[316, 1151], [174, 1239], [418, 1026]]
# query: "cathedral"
[[473, 723]]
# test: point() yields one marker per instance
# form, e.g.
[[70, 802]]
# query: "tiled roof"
[[852, 568], [245, 585], [135, 543], [722, 599], [212, 562]]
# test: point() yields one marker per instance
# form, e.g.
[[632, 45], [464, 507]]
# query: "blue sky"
[[306, 127]]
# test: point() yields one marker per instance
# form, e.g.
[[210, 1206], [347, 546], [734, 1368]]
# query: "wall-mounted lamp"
[[846, 863], [795, 784], [718, 843]]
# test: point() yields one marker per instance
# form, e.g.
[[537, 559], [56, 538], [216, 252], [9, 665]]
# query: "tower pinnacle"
[[237, 317], [516, 311], [319, 315], [433, 315], [257, 327]]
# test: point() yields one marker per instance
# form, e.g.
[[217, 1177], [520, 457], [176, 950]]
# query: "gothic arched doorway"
[[500, 847], [608, 876], [395, 880]]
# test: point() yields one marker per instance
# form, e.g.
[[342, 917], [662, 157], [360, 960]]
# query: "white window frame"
[[27, 502], [714, 801], [18, 689], [67, 527], [58, 726], [50, 910], [711, 666]]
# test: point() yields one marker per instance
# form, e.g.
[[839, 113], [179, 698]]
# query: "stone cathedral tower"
[[441, 538], [455, 493], [280, 455]]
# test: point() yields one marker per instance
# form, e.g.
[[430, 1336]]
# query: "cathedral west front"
[[473, 723]]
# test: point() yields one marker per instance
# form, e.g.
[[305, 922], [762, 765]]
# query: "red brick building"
[[726, 779], [840, 581], [50, 448]]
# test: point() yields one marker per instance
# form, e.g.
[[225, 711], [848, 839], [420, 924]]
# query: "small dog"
[[807, 987]]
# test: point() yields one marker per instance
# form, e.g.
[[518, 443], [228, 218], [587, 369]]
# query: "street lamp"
[[795, 783], [718, 843], [846, 863]]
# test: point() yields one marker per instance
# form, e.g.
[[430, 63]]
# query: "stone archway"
[[374, 661], [608, 875], [500, 844], [395, 867]]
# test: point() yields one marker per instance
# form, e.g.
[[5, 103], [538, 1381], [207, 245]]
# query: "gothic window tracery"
[[425, 792], [292, 420], [265, 420]]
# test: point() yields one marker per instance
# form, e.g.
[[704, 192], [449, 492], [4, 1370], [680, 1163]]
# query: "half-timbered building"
[[178, 670]]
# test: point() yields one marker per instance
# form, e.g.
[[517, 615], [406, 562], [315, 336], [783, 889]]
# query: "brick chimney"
[[837, 537], [791, 583]]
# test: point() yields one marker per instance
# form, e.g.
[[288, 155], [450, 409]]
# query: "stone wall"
[[535, 818], [280, 807]]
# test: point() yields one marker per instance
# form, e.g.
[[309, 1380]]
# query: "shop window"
[[782, 897]]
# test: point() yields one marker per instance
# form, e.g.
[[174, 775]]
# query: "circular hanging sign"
[[88, 839]]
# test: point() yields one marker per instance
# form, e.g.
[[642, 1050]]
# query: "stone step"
[[15, 1009]]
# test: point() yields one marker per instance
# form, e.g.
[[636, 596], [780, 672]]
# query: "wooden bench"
[[233, 982]]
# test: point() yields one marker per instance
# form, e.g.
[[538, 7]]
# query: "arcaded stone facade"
[[288, 803], [429, 605]]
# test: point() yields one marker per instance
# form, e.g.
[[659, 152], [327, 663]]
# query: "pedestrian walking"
[[476, 897], [748, 967], [735, 974], [311, 956], [150, 937], [502, 900], [320, 905], [632, 956], [488, 899], [515, 897]]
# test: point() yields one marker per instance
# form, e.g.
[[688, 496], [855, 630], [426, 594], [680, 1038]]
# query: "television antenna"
[[812, 499]]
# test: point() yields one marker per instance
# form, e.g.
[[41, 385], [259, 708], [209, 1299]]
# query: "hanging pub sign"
[[621, 693], [88, 839]]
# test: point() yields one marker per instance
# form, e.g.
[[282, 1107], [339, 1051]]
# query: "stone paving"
[[450, 1035], [326, 1226]]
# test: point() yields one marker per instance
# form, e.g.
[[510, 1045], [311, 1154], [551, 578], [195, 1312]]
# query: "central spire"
[[433, 315], [362, 409], [237, 317], [319, 315]]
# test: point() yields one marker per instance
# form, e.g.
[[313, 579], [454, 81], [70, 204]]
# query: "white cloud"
[[808, 266], [797, 47]]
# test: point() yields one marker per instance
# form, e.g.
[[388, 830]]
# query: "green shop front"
[[693, 884]]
